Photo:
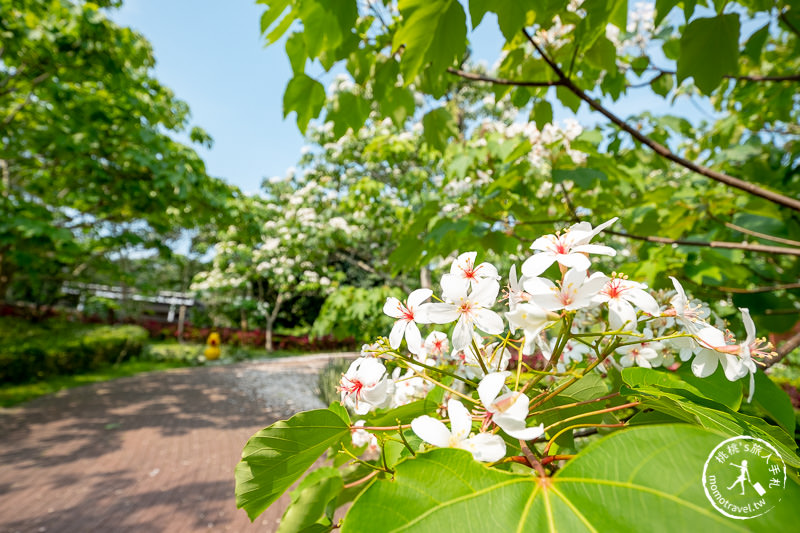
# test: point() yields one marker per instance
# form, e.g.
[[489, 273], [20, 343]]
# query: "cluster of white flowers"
[[635, 330], [640, 28]]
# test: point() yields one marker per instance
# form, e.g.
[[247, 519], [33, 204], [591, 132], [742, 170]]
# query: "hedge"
[[33, 351]]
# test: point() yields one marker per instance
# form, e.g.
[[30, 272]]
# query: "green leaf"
[[585, 178], [774, 402], [723, 420], [296, 51], [602, 55], [709, 50], [542, 113], [306, 97], [713, 390], [438, 126], [326, 23], [639, 64], [568, 98], [755, 44], [628, 481], [663, 7], [662, 85], [434, 32], [275, 457], [349, 111], [313, 502], [275, 8], [511, 14]]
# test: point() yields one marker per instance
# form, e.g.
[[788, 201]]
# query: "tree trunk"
[[273, 315]]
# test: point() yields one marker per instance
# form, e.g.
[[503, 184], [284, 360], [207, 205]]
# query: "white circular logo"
[[744, 477]]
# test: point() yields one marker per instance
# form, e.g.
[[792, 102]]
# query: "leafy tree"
[[722, 191], [88, 163]]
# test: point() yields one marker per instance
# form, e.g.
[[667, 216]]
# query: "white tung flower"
[[568, 248], [407, 316], [468, 310], [620, 293], [510, 410], [467, 273], [576, 291], [483, 446], [365, 385]]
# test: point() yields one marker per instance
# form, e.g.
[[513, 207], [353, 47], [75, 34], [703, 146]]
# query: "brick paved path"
[[149, 453]]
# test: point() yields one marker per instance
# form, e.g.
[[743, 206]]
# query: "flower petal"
[[418, 296], [485, 293], [538, 263], [439, 313], [454, 288], [460, 419], [595, 249], [489, 321], [485, 447], [396, 336], [462, 333], [393, 307], [705, 363], [431, 431], [490, 386], [643, 300], [413, 338], [575, 261]]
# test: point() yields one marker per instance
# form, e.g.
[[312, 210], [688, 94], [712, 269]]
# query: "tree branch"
[[762, 248], [786, 348], [501, 81], [756, 290], [660, 149]]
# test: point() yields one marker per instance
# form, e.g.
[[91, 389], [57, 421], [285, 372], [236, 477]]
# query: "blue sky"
[[210, 53]]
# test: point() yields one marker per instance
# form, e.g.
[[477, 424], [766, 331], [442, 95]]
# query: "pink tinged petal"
[[490, 386], [518, 407], [574, 260], [485, 294], [489, 321], [462, 333], [536, 264], [621, 315], [711, 337], [393, 307], [454, 288], [439, 313], [418, 296], [460, 419], [413, 338], [705, 363], [643, 300], [598, 249], [431, 431], [485, 447], [396, 336]]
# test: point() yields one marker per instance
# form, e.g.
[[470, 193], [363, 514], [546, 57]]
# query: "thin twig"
[[761, 248], [501, 81], [785, 349]]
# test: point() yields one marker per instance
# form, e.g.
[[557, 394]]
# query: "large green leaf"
[[715, 388], [277, 456], [709, 50], [306, 96], [642, 479], [433, 32], [313, 502], [775, 403]]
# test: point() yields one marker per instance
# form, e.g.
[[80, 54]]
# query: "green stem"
[[479, 357]]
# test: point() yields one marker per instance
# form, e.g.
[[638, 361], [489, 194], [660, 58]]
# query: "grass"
[[159, 356]]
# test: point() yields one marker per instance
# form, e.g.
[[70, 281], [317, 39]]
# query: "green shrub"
[[34, 351], [355, 312]]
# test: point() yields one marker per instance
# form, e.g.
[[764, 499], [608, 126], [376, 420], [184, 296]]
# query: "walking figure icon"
[[744, 475]]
